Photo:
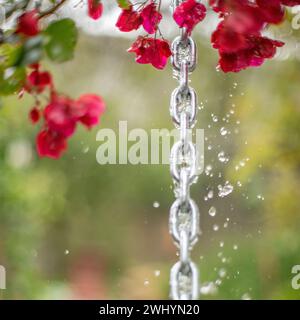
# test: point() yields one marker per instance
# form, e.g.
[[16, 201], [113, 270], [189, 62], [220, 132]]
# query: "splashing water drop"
[[223, 131], [156, 204], [225, 190], [210, 194], [86, 149], [157, 273], [246, 296], [208, 288], [215, 227], [222, 273], [212, 211], [208, 170], [222, 158], [215, 118], [218, 282]]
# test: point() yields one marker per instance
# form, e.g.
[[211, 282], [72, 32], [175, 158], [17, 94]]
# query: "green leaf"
[[9, 55], [12, 80], [61, 39], [124, 4]]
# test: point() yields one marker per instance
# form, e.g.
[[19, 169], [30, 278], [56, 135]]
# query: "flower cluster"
[[61, 115], [238, 36], [148, 49], [151, 50]]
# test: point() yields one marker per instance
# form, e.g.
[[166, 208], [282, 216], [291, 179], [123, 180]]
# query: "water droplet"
[[222, 273], [242, 163], [208, 169], [218, 282], [223, 131], [214, 118], [222, 158], [210, 194], [212, 211], [156, 204], [221, 244], [146, 282], [157, 273], [67, 252], [86, 149], [225, 190], [215, 227], [235, 247], [208, 288], [246, 296]]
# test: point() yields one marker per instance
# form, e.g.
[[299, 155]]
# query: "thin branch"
[[52, 9]]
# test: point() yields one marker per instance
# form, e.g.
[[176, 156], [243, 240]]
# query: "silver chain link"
[[184, 213]]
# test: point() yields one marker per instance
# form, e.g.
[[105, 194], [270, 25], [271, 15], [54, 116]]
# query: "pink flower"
[[239, 35], [153, 51], [188, 14], [259, 48], [61, 115], [50, 144], [38, 81], [129, 20], [95, 9], [92, 107], [28, 23], [34, 115], [151, 18]]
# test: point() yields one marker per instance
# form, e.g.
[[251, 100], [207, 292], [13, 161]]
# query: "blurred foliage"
[[53, 211]]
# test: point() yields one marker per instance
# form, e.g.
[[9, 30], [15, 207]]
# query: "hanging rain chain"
[[184, 213]]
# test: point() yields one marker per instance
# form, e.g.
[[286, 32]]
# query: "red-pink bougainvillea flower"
[[34, 115], [61, 117], [129, 20], [37, 81], [28, 23], [95, 9], [50, 144], [151, 18], [150, 50], [92, 107], [188, 14]]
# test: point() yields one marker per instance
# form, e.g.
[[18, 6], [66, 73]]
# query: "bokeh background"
[[74, 229]]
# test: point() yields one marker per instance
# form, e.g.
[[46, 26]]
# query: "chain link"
[[184, 213]]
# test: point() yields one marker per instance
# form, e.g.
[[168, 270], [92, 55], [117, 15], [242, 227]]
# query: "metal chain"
[[184, 213]]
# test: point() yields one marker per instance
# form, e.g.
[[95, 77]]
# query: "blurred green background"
[[75, 229]]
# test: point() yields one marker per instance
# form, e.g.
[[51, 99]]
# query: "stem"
[[52, 9]]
